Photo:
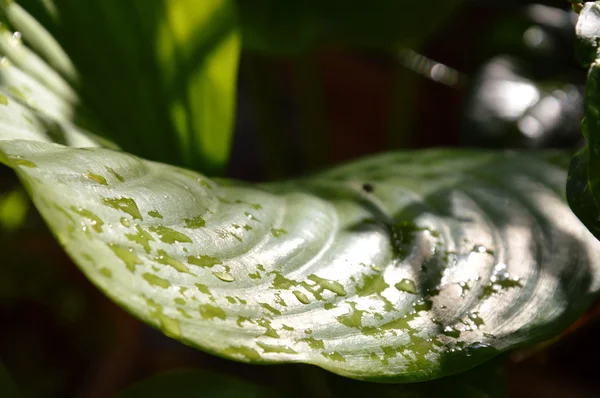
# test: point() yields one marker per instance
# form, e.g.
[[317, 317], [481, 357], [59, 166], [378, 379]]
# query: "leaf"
[[194, 383], [584, 174], [578, 193], [157, 77], [14, 206], [399, 268], [299, 25], [588, 31]]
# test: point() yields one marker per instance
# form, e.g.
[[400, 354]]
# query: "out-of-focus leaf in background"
[[14, 205], [580, 196], [156, 77], [584, 176]]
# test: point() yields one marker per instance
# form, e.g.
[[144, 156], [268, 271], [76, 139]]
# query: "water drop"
[[16, 38], [224, 276], [407, 285], [465, 288], [451, 332], [476, 319]]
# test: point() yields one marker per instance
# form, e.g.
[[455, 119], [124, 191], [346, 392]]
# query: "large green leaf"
[[157, 77], [402, 267], [299, 25]]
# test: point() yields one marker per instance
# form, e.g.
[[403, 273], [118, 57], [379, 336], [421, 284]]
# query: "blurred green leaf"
[[579, 195], [14, 206], [299, 25], [157, 77], [403, 267], [195, 383]]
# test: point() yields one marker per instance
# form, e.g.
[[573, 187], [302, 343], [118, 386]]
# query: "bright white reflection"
[[544, 115], [549, 109], [429, 68], [534, 36], [550, 16], [531, 127], [509, 99]]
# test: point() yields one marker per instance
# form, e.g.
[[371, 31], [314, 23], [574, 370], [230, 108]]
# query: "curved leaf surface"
[[157, 77], [402, 267]]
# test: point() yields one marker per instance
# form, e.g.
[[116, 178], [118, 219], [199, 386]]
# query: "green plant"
[[583, 193], [399, 268]]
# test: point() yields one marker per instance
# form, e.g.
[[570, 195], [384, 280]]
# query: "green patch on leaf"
[[126, 205]]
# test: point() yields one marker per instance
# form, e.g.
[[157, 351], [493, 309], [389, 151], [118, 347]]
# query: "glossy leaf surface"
[[157, 77], [402, 267]]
